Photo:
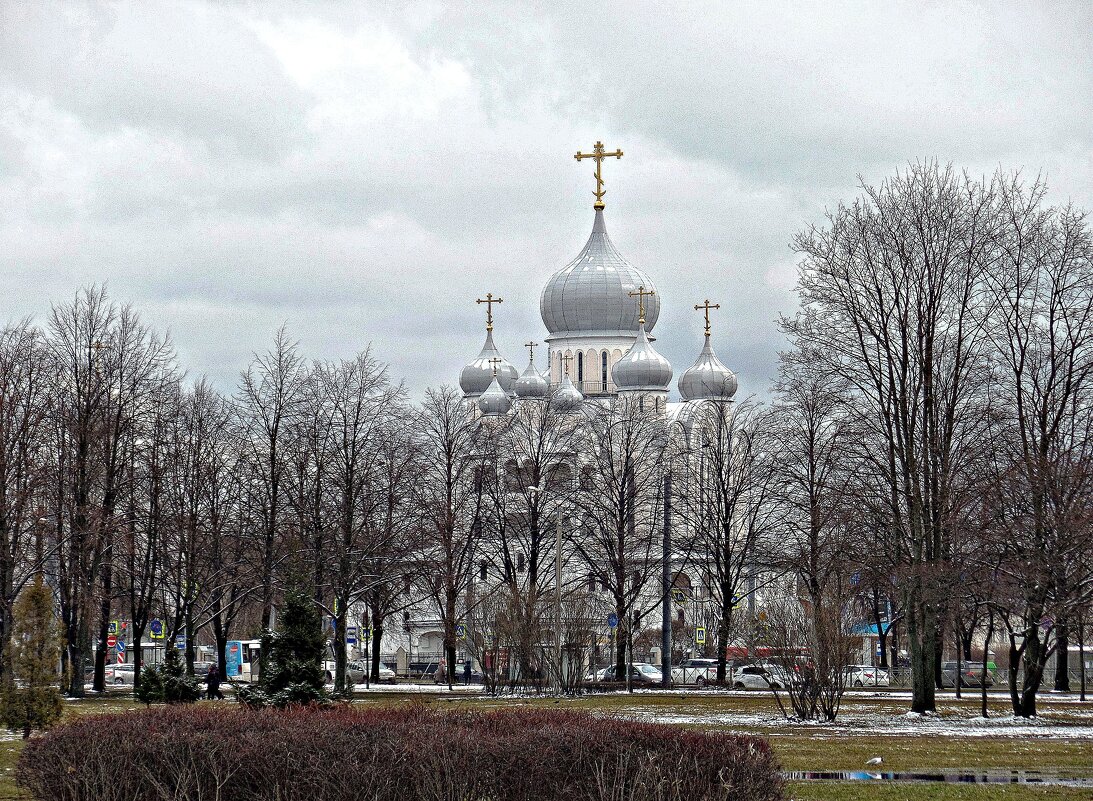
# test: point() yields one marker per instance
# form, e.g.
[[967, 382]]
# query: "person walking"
[[212, 682]]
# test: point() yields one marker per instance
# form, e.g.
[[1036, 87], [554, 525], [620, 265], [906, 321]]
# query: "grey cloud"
[[364, 173]]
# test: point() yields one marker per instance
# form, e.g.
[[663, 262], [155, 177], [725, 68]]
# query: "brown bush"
[[406, 753]]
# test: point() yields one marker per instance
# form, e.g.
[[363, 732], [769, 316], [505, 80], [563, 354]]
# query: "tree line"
[[921, 465]]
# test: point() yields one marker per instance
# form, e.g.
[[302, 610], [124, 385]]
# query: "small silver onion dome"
[[494, 402], [590, 295], [642, 368], [567, 398], [707, 378], [478, 375], [532, 383]]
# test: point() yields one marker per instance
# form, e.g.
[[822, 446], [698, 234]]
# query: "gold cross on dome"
[[706, 306], [531, 346], [493, 363], [599, 154], [489, 300], [566, 359], [640, 295]]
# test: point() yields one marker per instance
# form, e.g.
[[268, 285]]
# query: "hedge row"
[[407, 753]]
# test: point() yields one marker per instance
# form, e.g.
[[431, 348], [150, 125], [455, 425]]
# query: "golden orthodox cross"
[[566, 360], [493, 363], [599, 155], [640, 295], [489, 300], [706, 306], [531, 346]]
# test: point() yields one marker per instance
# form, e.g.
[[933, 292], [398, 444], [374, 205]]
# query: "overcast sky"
[[363, 175]]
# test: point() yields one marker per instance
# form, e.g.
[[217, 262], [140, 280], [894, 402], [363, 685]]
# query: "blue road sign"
[[350, 635], [120, 646], [613, 620], [180, 642], [460, 631], [156, 627]]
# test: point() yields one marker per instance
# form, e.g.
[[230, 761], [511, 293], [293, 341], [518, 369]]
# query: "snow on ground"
[[878, 723]]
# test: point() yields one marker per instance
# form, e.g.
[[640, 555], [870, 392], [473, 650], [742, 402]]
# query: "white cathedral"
[[599, 311]]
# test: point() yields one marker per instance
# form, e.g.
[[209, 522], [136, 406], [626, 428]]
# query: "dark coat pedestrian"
[[212, 682]]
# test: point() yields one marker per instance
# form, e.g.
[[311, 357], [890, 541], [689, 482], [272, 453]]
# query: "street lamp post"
[[666, 587], [558, 600]]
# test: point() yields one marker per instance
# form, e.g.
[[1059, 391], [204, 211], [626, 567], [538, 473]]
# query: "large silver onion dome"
[[532, 383], [477, 376], [642, 368], [707, 378], [567, 398], [494, 402], [590, 295]]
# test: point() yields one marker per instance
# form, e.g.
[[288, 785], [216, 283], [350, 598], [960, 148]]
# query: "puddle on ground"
[[993, 777]]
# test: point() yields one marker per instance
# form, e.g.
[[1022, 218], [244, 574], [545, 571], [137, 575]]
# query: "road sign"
[[121, 657], [613, 620], [113, 629], [180, 642], [736, 601], [700, 635], [350, 635], [156, 628], [111, 641], [679, 596], [460, 631], [120, 646]]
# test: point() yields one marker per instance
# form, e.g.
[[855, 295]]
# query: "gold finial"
[[640, 295], [531, 346], [706, 306], [489, 300], [566, 359], [599, 155], [493, 363], [99, 347]]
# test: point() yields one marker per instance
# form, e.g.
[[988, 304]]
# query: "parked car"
[[357, 670], [640, 673], [697, 671], [866, 676], [201, 669], [119, 674], [760, 676], [971, 674]]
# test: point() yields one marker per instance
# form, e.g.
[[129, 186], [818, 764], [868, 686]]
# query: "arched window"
[[580, 370], [603, 371]]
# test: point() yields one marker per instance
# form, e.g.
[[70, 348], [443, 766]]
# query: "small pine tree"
[[294, 672], [31, 696], [168, 683]]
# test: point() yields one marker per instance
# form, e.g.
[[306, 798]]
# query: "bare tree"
[[889, 290], [108, 365], [1041, 288], [451, 496], [620, 502], [25, 402], [725, 498], [267, 403]]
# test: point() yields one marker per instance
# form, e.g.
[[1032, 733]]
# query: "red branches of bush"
[[407, 753]]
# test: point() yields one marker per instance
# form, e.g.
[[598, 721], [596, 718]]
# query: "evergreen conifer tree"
[[31, 695], [294, 666], [168, 683]]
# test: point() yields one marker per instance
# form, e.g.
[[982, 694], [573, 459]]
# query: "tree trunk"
[[921, 639], [341, 656], [377, 636], [1062, 657]]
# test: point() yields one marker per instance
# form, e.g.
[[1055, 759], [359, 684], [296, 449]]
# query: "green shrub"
[[167, 683]]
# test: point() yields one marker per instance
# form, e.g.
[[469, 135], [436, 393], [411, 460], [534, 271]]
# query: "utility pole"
[[666, 588]]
